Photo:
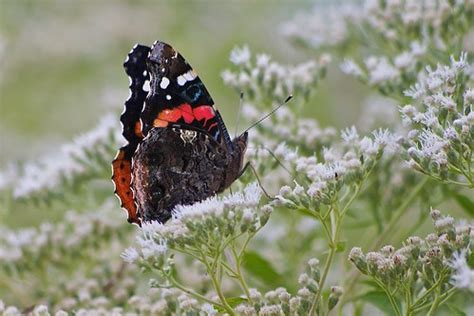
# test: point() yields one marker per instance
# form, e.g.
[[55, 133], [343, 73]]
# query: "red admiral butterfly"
[[179, 150]]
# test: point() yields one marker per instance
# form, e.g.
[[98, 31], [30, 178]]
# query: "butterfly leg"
[[249, 165]]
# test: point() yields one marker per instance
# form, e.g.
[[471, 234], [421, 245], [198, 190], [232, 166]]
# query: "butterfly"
[[178, 149]]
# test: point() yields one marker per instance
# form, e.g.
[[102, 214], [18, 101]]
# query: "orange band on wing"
[[186, 112], [205, 112], [122, 178]]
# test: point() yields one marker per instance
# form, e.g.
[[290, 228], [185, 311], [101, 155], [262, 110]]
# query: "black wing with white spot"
[[135, 67], [177, 95]]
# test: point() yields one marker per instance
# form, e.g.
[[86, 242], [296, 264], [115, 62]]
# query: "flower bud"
[[284, 297], [435, 214], [295, 303], [336, 292], [255, 295], [265, 214], [357, 257], [303, 279], [387, 250], [313, 286], [431, 239]]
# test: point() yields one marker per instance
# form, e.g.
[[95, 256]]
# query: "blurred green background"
[[61, 61]]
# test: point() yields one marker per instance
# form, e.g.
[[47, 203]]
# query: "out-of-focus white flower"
[[350, 135], [463, 275], [349, 67], [381, 71], [324, 25], [262, 78], [208, 310], [48, 171], [130, 255], [240, 55]]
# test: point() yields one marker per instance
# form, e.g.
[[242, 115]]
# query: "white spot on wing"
[[190, 75], [181, 80], [168, 97], [144, 73], [164, 83], [146, 86]]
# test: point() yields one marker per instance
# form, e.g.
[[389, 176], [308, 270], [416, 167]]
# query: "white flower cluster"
[[346, 164], [261, 78], [24, 248], [441, 121], [463, 276], [155, 302], [405, 35], [209, 222], [281, 133], [70, 160], [426, 262], [281, 302], [325, 25]]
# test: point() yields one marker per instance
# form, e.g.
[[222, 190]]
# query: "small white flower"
[[349, 67], [151, 248], [368, 147], [450, 133], [416, 91], [469, 96], [130, 255], [350, 135], [229, 77], [463, 276], [240, 56], [381, 71], [262, 60], [404, 60], [208, 310], [461, 63]]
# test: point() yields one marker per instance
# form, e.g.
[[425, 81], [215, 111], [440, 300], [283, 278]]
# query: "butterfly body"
[[179, 151]]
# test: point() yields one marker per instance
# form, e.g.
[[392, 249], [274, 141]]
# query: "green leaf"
[[470, 260], [464, 202], [232, 301], [380, 300], [455, 311], [341, 246], [261, 269]]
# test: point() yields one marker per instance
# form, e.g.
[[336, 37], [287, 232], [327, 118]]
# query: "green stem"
[[327, 265], [399, 212], [240, 277], [216, 282], [390, 297], [198, 296], [434, 305], [428, 291]]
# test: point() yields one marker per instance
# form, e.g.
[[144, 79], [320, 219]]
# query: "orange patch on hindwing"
[[122, 178]]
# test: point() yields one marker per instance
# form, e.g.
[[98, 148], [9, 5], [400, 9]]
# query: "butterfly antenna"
[[239, 113], [269, 113]]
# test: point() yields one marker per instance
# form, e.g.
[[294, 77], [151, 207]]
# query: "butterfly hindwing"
[[135, 67]]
